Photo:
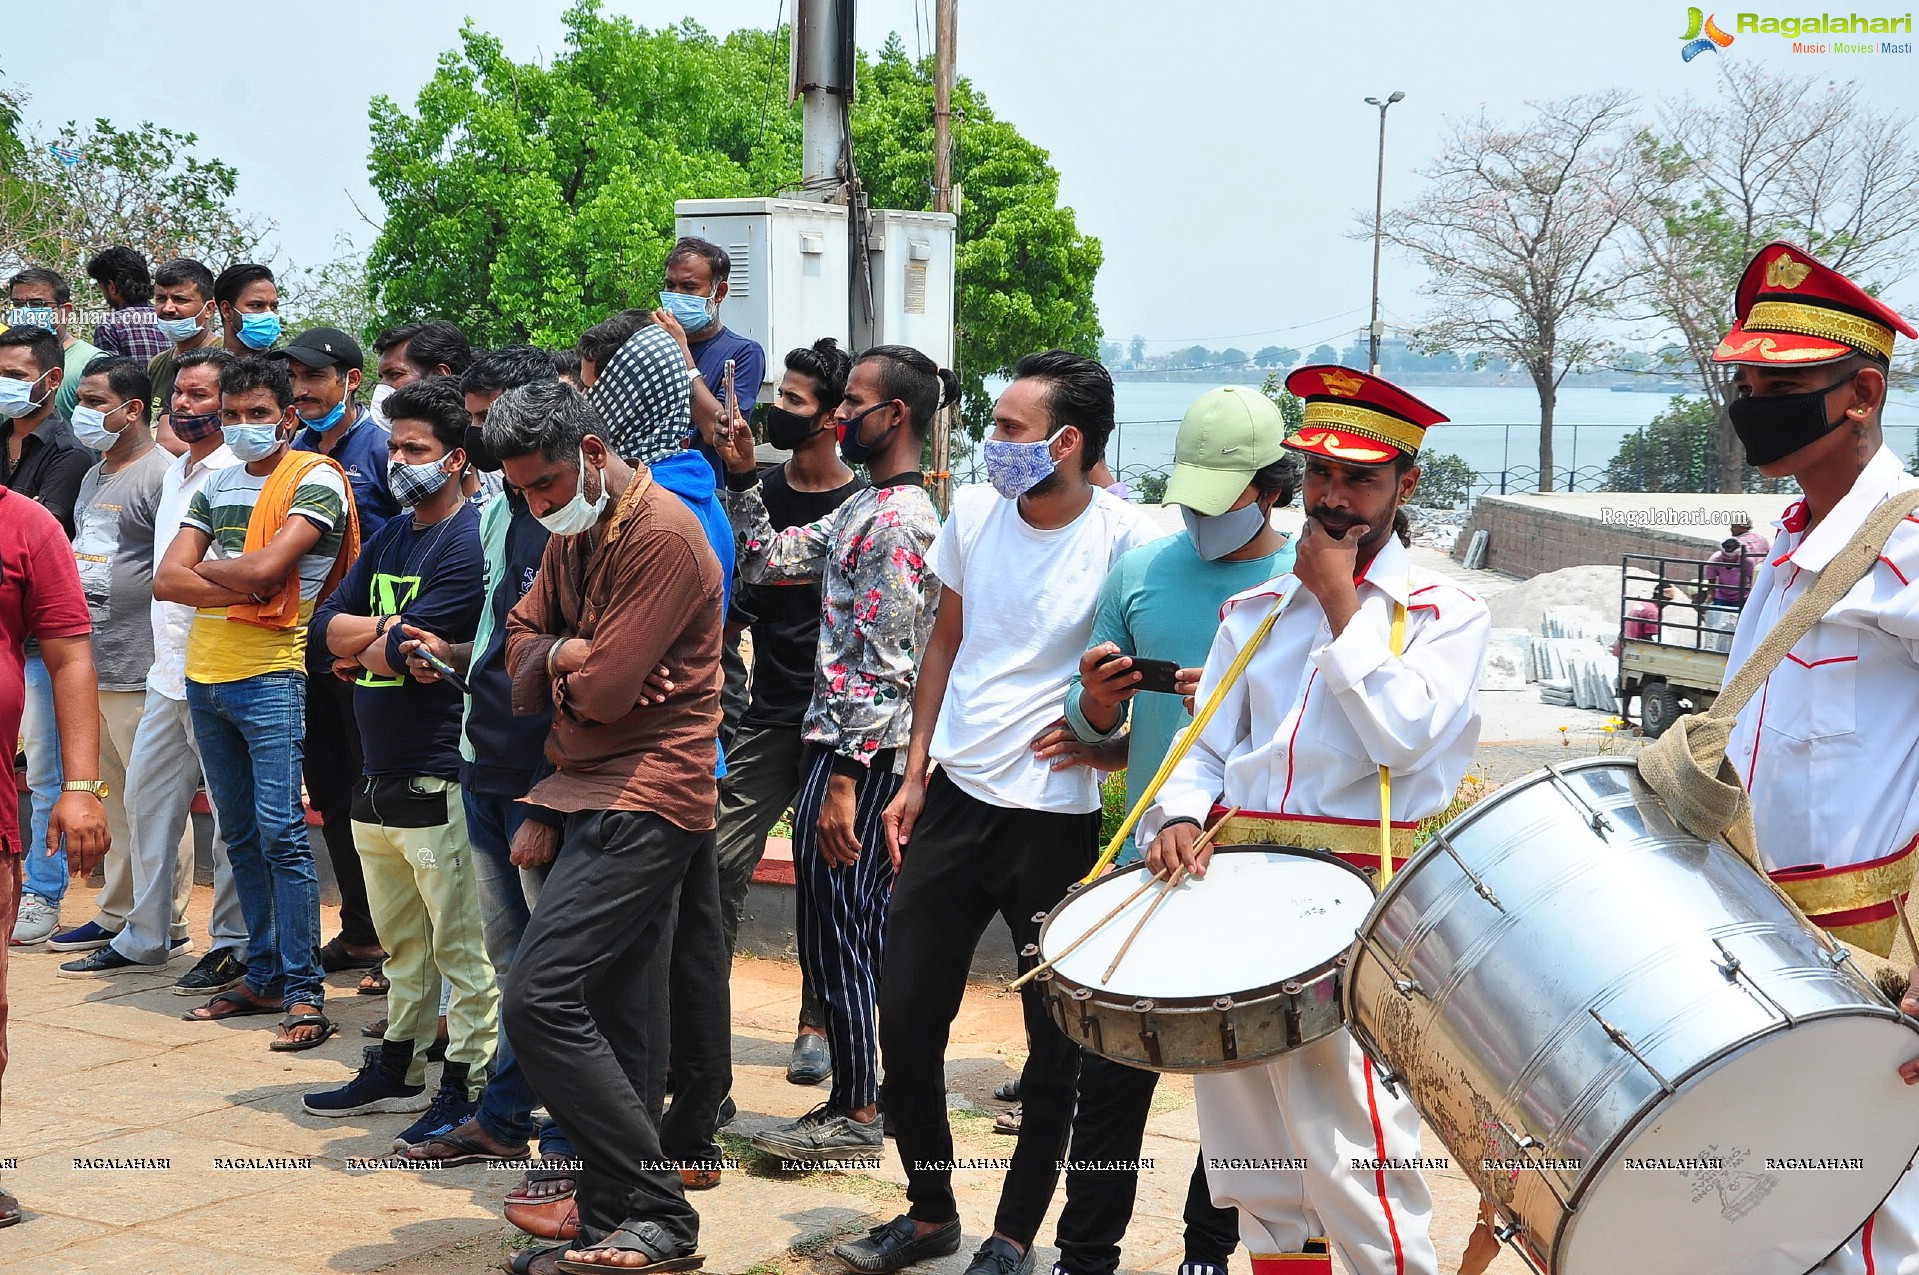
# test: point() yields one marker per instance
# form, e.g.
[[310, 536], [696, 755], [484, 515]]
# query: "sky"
[[1220, 152]]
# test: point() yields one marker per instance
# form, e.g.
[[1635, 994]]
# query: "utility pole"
[[822, 79], [945, 57], [1375, 330]]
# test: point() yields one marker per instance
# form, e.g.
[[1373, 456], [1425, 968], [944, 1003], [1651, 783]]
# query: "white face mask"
[[578, 514], [90, 427]]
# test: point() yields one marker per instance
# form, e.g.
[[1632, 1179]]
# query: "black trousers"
[[332, 766], [966, 861], [699, 1019], [1109, 1126], [581, 1006]]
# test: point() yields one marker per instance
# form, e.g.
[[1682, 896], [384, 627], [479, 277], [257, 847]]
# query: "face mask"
[[259, 331], [1016, 468], [381, 393], [33, 316], [852, 450], [252, 442], [578, 514], [327, 422], [177, 330], [89, 426], [1216, 535], [787, 430], [16, 397], [191, 429], [412, 484], [693, 312], [1775, 426]]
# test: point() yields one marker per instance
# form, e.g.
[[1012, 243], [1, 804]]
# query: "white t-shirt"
[[173, 620], [1028, 601]]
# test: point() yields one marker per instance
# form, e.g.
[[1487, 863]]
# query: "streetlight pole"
[[1374, 331]]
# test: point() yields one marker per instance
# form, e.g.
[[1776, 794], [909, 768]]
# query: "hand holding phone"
[[730, 400], [1155, 675]]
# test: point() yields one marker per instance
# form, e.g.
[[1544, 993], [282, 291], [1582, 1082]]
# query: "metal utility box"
[[911, 256], [788, 282]]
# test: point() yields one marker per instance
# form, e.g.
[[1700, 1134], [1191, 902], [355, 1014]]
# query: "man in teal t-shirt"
[[1161, 601]]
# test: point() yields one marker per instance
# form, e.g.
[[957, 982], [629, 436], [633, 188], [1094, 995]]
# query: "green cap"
[[1229, 434]]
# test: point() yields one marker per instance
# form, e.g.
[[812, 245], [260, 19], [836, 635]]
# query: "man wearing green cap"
[[1161, 601]]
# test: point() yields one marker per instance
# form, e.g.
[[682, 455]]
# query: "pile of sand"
[[1596, 588]]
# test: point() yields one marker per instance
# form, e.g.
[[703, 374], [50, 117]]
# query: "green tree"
[[1323, 354], [1292, 408], [1446, 481], [526, 202], [1232, 356], [1674, 452], [1138, 350]]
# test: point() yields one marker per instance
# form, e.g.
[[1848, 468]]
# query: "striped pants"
[[841, 923]]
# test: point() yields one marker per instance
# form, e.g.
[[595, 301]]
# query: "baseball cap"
[[1228, 435], [322, 347]]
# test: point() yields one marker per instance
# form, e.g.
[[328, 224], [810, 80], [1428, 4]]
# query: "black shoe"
[[812, 1060], [217, 971], [999, 1257], [729, 1111], [895, 1246]]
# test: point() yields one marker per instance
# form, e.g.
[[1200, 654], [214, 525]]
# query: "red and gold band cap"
[[1357, 419], [1795, 311]]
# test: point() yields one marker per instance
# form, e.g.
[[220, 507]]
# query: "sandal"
[[644, 1238], [1008, 1122], [286, 1044], [464, 1143], [336, 956], [242, 1007], [374, 981], [557, 1218], [534, 1261]]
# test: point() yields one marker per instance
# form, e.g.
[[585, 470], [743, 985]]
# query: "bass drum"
[[1628, 1042]]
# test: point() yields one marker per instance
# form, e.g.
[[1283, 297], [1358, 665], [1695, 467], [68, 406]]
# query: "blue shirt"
[[686, 475], [513, 542], [1161, 601], [361, 451], [749, 369]]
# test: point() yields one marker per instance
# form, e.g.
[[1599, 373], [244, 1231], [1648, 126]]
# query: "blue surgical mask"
[[16, 396], [1016, 468], [327, 422], [178, 330], [1216, 535], [259, 331], [693, 312], [90, 427], [252, 442]]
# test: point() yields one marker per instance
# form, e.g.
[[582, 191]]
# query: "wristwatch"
[[98, 787]]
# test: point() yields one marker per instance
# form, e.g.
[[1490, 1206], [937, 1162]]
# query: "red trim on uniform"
[[1353, 823], [1866, 1237], [1248, 598], [1795, 576], [1794, 518], [1780, 561], [1895, 570], [1813, 872], [1424, 606], [1303, 701], [1853, 916], [1455, 588], [1379, 1174], [1832, 659], [1758, 732]]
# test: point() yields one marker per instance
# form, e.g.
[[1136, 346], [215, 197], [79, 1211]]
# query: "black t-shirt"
[[786, 617]]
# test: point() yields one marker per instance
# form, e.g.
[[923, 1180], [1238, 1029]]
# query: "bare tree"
[[1514, 229], [1771, 157]]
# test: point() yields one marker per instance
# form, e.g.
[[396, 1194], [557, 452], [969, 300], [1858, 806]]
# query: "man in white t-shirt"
[[997, 829]]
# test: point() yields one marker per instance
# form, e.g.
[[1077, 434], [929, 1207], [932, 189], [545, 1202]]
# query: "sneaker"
[[217, 971], [373, 1089], [894, 1246], [999, 1257], [90, 937], [107, 961], [450, 1107], [37, 921], [821, 1134]]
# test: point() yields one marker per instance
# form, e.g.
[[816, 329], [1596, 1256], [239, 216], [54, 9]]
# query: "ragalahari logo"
[[1702, 34]]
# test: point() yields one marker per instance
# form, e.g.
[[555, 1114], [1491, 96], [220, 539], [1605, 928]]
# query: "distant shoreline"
[[1646, 384]]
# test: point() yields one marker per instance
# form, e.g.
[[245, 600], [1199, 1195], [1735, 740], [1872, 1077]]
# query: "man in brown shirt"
[[628, 583]]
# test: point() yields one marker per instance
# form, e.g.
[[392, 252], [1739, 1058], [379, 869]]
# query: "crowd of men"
[[484, 623]]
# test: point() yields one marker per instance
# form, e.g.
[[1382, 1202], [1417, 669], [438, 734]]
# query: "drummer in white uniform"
[[1372, 662], [1829, 748]]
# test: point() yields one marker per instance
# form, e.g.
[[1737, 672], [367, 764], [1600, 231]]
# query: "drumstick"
[[1905, 923], [1179, 874], [1050, 962]]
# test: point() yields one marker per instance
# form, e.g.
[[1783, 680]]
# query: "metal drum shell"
[[1522, 1036], [1192, 1034]]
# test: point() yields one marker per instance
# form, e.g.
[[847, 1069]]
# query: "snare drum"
[[1628, 1042], [1234, 968]]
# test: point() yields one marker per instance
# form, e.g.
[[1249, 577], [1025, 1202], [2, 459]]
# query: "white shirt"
[[1028, 602], [1829, 747], [173, 620], [1306, 728]]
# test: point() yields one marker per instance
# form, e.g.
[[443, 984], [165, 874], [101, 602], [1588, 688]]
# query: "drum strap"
[[1385, 773]]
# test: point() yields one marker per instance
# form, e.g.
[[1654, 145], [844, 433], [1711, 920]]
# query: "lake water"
[[1495, 428]]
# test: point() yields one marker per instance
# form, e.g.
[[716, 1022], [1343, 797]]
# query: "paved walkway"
[[105, 1071]]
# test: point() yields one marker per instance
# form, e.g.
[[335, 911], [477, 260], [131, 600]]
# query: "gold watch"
[[98, 787]]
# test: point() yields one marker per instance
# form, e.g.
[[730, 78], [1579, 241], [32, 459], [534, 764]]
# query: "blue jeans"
[[507, 896], [251, 736], [46, 873]]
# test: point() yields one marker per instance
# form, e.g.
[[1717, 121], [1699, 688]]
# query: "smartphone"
[[730, 399], [1155, 675]]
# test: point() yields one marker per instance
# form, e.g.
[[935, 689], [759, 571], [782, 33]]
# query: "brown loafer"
[[557, 1219], [9, 1210], [699, 1179]]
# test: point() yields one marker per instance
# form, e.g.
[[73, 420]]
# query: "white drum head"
[[1693, 1192], [1258, 917]]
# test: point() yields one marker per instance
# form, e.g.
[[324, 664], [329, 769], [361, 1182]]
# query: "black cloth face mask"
[[1774, 426], [787, 430]]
